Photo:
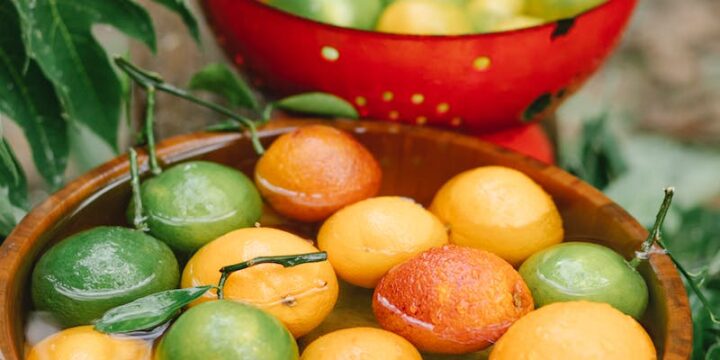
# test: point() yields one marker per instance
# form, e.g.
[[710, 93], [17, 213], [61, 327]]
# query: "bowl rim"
[[46, 215], [387, 35]]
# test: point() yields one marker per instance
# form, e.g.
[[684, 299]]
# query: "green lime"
[[559, 9], [584, 271], [225, 329], [195, 202], [358, 14], [90, 272]]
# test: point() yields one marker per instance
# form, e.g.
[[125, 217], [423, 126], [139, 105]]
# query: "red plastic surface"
[[480, 82]]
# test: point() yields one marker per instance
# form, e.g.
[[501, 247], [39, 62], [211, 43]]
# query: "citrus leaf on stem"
[[149, 311], [181, 8], [220, 80], [13, 189], [29, 99], [317, 103], [284, 260], [57, 35]]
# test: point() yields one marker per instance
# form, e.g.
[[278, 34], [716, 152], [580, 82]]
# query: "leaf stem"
[[149, 129], [149, 79], [138, 218], [654, 235], [285, 261]]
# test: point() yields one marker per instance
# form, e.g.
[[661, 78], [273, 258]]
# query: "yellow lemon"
[[424, 17], [500, 210], [83, 342], [300, 296], [366, 239], [577, 330], [485, 14], [559, 9], [517, 22], [362, 343]]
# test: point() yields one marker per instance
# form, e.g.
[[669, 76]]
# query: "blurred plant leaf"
[[656, 162], [13, 188], [318, 103], [28, 98], [180, 7], [225, 126], [600, 160], [149, 311], [220, 80], [57, 35]]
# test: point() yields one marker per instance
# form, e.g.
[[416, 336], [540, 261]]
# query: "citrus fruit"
[[451, 300], [576, 330], [362, 343], [500, 210], [424, 17], [88, 273], [517, 22], [300, 296], [314, 171], [359, 14], [559, 9], [485, 14], [585, 271], [194, 202], [366, 239], [83, 342], [229, 330]]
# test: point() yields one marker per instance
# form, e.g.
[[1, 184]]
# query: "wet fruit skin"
[[193, 203], [585, 271], [451, 300], [90, 272], [500, 210], [300, 296], [226, 330], [361, 343], [576, 330], [310, 173], [559, 9], [84, 343], [366, 239]]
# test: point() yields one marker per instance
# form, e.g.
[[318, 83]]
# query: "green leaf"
[[13, 188], [180, 7], [28, 98], [224, 126], [219, 79], [318, 103], [149, 311], [57, 34]]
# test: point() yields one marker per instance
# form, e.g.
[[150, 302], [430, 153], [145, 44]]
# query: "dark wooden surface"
[[416, 162]]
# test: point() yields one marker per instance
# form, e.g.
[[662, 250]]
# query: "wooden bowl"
[[416, 162], [479, 82]]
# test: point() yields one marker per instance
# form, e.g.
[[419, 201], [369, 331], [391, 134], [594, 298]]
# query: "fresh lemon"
[[500, 210], [576, 330], [424, 17], [366, 239], [359, 344]]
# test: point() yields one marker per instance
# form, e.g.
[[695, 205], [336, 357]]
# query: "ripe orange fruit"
[[315, 170], [424, 17], [361, 343], [83, 342], [451, 300], [575, 330], [500, 210], [300, 296], [366, 239]]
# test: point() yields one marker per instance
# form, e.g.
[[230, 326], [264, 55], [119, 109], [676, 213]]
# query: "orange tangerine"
[[451, 300], [366, 239], [312, 172], [575, 330], [359, 344], [83, 342], [300, 296], [500, 210]]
